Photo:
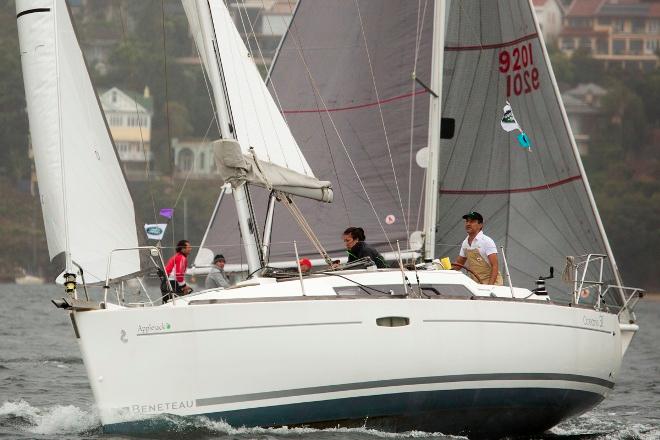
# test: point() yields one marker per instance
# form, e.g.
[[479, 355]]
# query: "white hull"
[[291, 360]]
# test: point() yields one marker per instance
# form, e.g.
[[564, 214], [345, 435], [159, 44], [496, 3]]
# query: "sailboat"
[[408, 348]]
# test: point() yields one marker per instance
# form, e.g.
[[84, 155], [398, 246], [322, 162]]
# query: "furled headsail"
[[86, 205]]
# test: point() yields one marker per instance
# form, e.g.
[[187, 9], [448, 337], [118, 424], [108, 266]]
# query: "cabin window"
[[384, 289], [456, 290]]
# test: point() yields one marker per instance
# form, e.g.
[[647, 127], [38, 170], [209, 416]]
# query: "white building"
[[583, 107], [550, 14], [129, 118], [193, 159]]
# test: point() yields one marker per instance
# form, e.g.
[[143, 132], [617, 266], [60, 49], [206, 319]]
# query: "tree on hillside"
[[561, 65], [586, 69], [625, 110], [14, 161]]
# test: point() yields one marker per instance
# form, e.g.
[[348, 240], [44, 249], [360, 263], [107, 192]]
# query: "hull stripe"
[[481, 321], [403, 382], [310, 324], [251, 327], [491, 412]]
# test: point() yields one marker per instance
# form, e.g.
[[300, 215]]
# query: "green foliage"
[[625, 110], [562, 66], [22, 232], [13, 118], [585, 68]]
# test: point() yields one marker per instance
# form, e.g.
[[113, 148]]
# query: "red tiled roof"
[[654, 9], [584, 8]]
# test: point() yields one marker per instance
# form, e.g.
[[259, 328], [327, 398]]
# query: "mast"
[[68, 263], [432, 170], [225, 122]]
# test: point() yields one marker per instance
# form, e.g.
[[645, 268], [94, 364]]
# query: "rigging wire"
[[144, 152], [325, 133], [341, 141], [185, 181], [167, 99], [418, 38], [209, 93], [261, 89], [304, 225], [268, 77], [382, 119]]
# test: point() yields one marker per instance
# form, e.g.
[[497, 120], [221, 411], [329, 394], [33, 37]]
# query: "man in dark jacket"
[[357, 248]]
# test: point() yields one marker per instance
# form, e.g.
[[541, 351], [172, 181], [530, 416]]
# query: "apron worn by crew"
[[481, 267]]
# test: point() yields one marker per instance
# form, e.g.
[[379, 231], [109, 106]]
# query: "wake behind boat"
[[412, 348]]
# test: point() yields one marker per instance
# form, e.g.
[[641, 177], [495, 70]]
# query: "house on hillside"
[[618, 32], [550, 14], [262, 23], [583, 108], [129, 119], [193, 159]]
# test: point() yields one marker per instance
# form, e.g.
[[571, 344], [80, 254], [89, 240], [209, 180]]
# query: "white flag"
[[155, 231], [509, 122]]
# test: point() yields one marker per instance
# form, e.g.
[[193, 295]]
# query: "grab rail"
[[580, 281], [154, 252], [631, 301]]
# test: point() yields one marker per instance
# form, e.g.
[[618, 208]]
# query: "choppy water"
[[44, 392]]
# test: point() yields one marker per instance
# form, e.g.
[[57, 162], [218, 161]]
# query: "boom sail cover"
[[87, 208]]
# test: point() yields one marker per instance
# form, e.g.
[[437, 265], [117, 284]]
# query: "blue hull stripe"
[[402, 382], [489, 411]]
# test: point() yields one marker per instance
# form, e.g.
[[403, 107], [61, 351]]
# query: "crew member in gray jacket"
[[217, 277]]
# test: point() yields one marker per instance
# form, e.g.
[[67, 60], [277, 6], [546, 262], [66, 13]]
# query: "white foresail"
[[254, 118], [86, 205]]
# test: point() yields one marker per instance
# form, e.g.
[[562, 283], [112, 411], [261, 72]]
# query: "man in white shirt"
[[478, 252]]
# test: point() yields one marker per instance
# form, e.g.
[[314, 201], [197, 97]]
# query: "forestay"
[[535, 202], [86, 205], [328, 35]]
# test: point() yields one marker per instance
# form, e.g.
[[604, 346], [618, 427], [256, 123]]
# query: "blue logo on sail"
[[523, 140]]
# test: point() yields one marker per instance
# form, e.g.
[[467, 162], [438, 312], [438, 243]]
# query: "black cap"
[[474, 216], [218, 258]]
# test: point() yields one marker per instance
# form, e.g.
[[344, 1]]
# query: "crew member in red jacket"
[[176, 268]]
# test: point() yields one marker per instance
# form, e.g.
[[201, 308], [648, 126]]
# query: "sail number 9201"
[[518, 66]]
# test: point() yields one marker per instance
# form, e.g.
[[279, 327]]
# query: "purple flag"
[[167, 212]]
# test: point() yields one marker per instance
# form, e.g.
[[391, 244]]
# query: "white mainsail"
[[272, 156], [86, 205]]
